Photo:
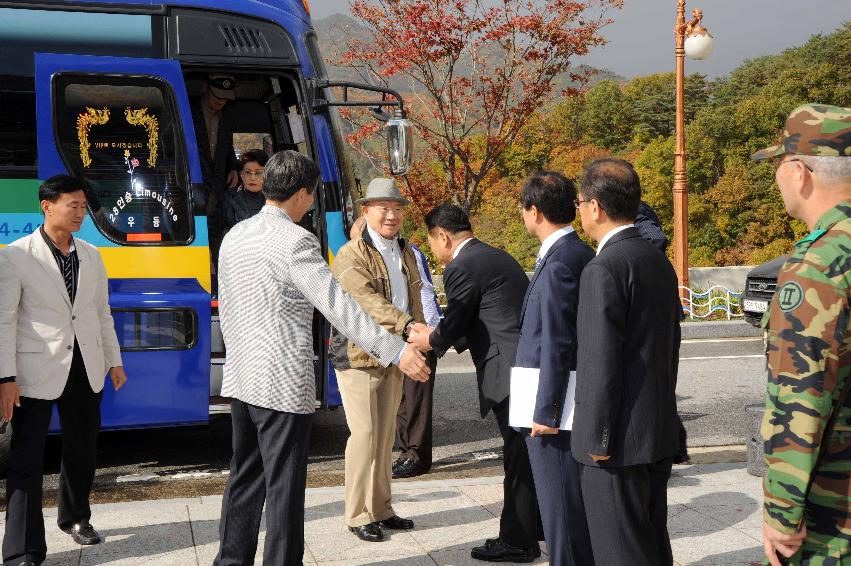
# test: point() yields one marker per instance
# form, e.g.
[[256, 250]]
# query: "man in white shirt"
[[380, 271]]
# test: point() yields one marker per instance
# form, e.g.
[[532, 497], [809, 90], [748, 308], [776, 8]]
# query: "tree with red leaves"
[[476, 73]]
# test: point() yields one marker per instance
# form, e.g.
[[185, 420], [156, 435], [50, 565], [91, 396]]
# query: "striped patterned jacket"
[[271, 276]]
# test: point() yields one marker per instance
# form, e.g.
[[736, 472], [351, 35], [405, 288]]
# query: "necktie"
[[538, 261]]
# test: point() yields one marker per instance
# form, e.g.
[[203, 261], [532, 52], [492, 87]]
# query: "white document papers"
[[523, 393]]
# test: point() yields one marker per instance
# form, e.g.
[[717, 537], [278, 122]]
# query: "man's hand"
[[118, 377], [597, 458], [233, 179], [540, 430], [773, 540], [420, 335], [413, 364], [10, 396]]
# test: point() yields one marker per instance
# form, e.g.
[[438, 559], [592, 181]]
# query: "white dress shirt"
[[552, 239], [458, 249], [392, 256], [608, 236]]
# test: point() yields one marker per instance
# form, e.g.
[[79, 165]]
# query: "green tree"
[[607, 117]]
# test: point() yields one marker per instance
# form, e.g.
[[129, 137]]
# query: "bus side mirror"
[[400, 142]]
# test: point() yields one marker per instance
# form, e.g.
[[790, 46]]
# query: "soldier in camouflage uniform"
[[807, 510]]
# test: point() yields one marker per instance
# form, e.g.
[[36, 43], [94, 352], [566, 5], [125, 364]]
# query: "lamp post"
[[694, 40]]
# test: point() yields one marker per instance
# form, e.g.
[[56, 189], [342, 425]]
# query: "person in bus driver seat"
[[57, 343], [247, 199], [213, 124]]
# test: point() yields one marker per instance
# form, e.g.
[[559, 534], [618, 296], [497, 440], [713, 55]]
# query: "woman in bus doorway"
[[248, 198]]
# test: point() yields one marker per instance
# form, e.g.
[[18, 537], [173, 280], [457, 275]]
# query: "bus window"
[[121, 134], [17, 127]]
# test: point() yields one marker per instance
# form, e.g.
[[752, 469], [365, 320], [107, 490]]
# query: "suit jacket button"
[[73, 317], [69, 347]]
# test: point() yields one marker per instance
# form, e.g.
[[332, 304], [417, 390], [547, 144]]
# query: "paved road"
[[718, 380]]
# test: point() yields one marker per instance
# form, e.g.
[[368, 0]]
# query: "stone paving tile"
[[739, 516], [690, 523], [161, 534], [401, 560], [185, 557], [726, 546], [446, 517], [329, 539], [488, 496]]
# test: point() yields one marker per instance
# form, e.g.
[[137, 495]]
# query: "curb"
[[719, 329]]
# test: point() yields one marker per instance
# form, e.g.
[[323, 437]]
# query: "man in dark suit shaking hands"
[[548, 337], [625, 426], [484, 292]]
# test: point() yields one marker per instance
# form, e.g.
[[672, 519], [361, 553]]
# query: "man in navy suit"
[[548, 341]]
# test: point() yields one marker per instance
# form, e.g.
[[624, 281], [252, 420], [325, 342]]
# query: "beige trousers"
[[371, 399]]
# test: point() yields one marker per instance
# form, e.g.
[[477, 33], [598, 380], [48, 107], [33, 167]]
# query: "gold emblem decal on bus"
[[85, 121], [141, 117]]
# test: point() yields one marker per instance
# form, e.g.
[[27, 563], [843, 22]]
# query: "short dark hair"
[[614, 184], [449, 217], [257, 155], [61, 184], [553, 194], [287, 172]]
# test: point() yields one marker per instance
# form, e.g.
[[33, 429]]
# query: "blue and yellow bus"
[[104, 90]]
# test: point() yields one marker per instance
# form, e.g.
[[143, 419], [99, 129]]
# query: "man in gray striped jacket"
[[271, 277]]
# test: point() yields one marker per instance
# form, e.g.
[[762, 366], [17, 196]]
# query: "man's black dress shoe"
[[83, 533], [398, 523], [494, 550], [369, 533], [407, 468], [493, 541]]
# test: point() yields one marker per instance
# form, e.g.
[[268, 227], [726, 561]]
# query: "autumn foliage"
[[476, 75]]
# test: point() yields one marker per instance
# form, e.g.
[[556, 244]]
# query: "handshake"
[[413, 362]]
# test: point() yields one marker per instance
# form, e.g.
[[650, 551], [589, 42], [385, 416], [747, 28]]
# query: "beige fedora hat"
[[382, 188]]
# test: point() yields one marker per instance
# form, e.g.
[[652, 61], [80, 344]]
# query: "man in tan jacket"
[[379, 270]]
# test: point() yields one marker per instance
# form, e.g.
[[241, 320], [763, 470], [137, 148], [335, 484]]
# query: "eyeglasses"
[[778, 161], [255, 174], [384, 210], [577, 202]]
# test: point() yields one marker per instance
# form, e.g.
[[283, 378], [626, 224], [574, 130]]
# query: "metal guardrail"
[[702, 305], [696, 304]]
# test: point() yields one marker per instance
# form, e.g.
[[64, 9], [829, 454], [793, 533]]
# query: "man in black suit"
[[548, 337], [625, 426], [484, 291]]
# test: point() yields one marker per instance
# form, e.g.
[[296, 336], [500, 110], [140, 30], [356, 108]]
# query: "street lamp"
[[694, 40]]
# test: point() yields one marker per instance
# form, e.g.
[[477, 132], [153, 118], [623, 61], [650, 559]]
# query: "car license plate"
[[755, 306]]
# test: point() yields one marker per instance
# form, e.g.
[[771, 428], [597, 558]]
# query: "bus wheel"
[[5, 449]]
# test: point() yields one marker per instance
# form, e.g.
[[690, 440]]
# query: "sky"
[[641, 40]]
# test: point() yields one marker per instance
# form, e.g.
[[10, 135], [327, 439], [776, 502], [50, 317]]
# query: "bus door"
[[124, 124]]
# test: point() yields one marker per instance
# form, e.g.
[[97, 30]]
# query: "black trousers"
[[519, 524], [627, 511], [414, 420], [79, 415], [269, 464], [559, 492]]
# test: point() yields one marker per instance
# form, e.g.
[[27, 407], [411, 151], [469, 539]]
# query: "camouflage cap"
[[814, 129]]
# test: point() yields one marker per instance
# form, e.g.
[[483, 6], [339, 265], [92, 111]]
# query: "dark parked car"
[[759, 288]]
